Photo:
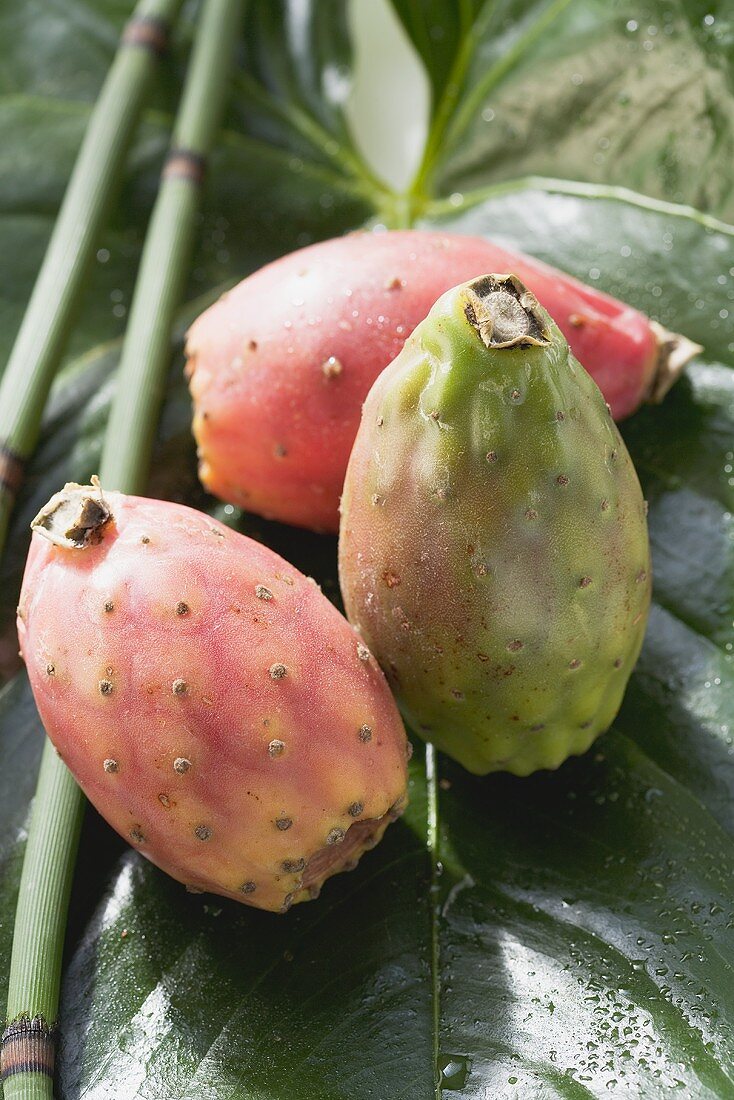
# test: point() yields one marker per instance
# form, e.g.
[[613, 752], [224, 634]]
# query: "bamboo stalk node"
[[148, 32], [12, 469], [28, 1046], [185, 164], [53, 835]]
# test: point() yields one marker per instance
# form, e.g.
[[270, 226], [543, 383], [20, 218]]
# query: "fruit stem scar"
[[74, 518], [504, 313]]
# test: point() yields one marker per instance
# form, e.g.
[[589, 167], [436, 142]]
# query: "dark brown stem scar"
[[674, 351], [74, 518], [28, 1046], [504, 313]]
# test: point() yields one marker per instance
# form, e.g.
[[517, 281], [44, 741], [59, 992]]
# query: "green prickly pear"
[[493, 550]]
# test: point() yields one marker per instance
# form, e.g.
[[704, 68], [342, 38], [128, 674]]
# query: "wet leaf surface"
[[569, 935]]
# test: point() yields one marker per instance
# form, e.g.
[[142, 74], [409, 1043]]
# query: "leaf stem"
[[58, 808], [469, 33], [164, 263], [307, 127], [40, 341], [280, 158], [451, 120], [433, 837], [611, 192], [501, 68]]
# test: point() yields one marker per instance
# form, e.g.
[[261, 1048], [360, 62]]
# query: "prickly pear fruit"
[[213, 705], [493, 548], [280, 366]]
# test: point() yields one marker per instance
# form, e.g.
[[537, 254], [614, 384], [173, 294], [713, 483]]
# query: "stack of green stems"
[[46, 879], [41, 339]]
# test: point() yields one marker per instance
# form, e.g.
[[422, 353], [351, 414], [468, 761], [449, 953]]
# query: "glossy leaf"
[[569, 935], [592, 91]]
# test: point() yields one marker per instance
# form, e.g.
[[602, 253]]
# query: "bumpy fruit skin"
[[214, 706], [280, 366], [493, 546]]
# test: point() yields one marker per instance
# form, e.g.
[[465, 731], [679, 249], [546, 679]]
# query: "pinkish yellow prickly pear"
[[213, 705], [279, 368]]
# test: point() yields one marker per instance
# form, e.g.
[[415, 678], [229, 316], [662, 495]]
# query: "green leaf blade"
[[570, 935]]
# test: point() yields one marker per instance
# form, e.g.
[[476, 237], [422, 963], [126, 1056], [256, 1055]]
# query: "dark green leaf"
[[440, 33], [570, 935], [600, 90]]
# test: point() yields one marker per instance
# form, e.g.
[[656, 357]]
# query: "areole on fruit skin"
[[280, 366], [207, 697], [493, 547]]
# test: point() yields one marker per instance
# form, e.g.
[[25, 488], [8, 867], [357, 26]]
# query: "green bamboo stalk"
[[40, 342], [48, 867]]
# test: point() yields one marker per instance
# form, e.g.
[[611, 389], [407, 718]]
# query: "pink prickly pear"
[[212, 704], [280, 366]]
